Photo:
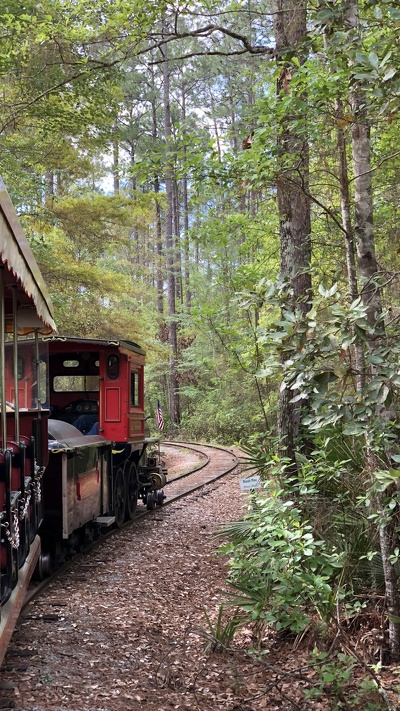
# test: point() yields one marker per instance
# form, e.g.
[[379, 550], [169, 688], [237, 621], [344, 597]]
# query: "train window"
[[75, 383], [92, 382], [112, 367], [135, 395], [21, 367], [43, 383], [70, 363]]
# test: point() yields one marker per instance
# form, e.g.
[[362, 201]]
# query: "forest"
[[218, 181]]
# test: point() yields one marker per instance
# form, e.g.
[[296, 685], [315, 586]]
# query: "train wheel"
[[160, 497], [119, 498], [44, 567], [131, 487], [150, 501]]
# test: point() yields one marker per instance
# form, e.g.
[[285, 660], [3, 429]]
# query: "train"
[[76, 454]]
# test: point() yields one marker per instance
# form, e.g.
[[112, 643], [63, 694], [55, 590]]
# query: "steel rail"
[[193, 470]]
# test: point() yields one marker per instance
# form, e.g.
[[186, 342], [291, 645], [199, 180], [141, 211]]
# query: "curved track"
[[216, 463], [198, 466]]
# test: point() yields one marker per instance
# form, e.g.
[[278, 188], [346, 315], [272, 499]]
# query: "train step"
[[105, 520]]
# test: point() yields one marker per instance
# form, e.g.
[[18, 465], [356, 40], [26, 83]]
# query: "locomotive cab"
[[98, 383]]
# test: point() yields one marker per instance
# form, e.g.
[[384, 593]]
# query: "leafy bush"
[[281, 570], [306, 543]]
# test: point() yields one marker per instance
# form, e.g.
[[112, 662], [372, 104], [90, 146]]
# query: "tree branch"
[[208, 30], [378, 165]]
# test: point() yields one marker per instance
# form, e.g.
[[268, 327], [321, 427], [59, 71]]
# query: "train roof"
[[97, 342], [17, 257]]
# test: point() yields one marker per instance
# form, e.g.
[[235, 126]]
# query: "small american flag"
[[160, 420]]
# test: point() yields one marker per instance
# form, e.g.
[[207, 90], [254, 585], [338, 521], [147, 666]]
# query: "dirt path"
[[122, 631]]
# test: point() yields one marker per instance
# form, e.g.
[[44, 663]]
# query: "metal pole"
[[15, 362], [2, 362], [37, 360]]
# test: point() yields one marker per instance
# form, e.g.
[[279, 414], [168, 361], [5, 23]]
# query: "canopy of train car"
[[24, 308], [22, 274], [122, 345]]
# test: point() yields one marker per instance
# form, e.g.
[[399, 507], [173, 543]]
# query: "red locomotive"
[[74, 455], [99, 463]]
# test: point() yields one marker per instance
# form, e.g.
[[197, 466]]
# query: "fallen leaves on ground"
[[124, 630]]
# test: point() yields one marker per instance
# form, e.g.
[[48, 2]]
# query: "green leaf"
[[325, 15], [362, 58], [373, 60], [383, 395], [391, 72], [322, 380], [375, 359], [354, 428], [386, 477], [364, 75], [347, 342]]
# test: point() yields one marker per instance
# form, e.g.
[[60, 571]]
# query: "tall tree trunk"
[[116, 166], [345, 206], [135, 259], [216, 131], [49, 189], [159, 249], [185, 198], [234, 135], [169, 242], [177, 243], [371, 295], [364, 228], [186, 241], [156, 188], [132, 148], [293, 203]]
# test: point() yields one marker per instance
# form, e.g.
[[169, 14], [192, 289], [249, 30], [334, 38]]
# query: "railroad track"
[[214, 463], [208, 463]]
